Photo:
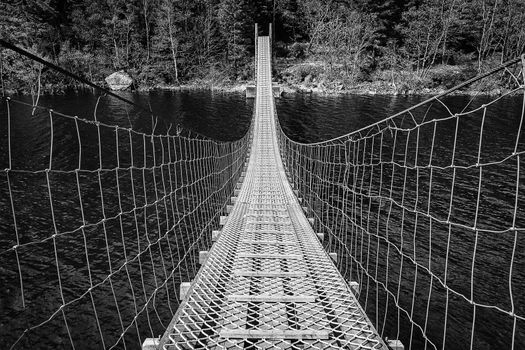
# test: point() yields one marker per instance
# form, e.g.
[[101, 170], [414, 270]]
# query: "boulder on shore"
[[119, 80]]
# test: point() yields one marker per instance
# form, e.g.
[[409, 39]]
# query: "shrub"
[[280, 49], [450, 76], [297, 50]]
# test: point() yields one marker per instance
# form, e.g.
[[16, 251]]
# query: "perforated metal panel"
[[267, 282]]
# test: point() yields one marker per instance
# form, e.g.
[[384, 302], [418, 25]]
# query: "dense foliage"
[[167, 42]]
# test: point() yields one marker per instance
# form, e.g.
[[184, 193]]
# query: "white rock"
[[119, 80]]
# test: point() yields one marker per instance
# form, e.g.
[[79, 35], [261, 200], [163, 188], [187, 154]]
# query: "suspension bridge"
[[267, 282], [115, 236]]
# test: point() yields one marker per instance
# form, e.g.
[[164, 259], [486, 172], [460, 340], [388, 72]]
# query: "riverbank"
[[327, 89], [322, 88], [322, 79]]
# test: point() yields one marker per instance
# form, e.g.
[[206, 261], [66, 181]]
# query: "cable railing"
[[424, 210]]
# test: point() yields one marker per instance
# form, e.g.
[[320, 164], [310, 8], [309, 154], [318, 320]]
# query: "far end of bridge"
[[251, 88]]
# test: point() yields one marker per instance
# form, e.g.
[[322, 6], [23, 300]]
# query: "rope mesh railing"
[[101, 221], [424, 210]]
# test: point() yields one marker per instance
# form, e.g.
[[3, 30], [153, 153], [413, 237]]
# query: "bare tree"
[[488, 17], [146, 25], [427, 30], [167, 33]]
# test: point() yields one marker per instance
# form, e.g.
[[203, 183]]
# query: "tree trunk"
[[486, 35], [445, 32], [145, 6], [128, 31], [174, 49], [2, 71], [115, 45], [37, 97]]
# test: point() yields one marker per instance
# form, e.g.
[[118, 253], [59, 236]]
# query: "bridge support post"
[[150, 344], [223, 220], [270, 34], [256, 48], [215, 235], [203, 256], [250, 91], [354, 287], [333, 256], [395, 344], [184, 288], [277, 91], [320, 235]]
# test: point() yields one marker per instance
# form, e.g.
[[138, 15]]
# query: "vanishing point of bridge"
[[267, 282]]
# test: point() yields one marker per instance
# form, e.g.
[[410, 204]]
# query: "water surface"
[[305, 118]]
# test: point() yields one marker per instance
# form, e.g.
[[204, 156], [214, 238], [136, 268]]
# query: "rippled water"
[[106, 244], [481, 260], [305, 118]]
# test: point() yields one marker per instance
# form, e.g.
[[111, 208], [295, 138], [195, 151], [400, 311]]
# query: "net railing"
[[425, 211], [101, 220]]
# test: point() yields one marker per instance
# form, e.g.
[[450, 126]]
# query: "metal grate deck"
[[267, 282]]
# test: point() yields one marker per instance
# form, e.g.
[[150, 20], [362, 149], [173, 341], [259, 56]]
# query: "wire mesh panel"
[[267, 282], [101, 221], [425, 212]]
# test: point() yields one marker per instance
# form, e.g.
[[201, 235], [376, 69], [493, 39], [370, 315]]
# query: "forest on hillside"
[[406, 44]]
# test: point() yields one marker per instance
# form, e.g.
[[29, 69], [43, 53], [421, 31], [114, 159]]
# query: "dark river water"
[[226, 116]]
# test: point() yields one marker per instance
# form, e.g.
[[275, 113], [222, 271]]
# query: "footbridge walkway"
[[267, 282]]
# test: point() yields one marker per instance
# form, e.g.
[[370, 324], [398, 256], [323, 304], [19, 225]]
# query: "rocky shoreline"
[[381, 89], [287, 89], [320, 89], [316, 78], [291, 84]]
